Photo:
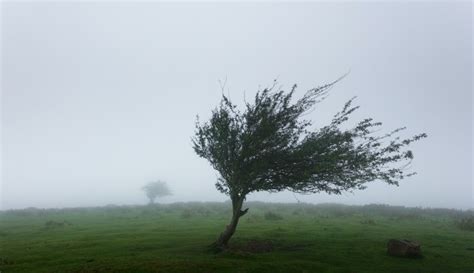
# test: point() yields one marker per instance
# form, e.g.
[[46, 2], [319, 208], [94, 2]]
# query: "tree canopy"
[[156, 189], [269, 146]]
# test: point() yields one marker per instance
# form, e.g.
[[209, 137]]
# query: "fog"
[[99, 98]]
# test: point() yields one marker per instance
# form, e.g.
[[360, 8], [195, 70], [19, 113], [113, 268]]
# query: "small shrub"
[[297, 212], [5, 261], [408, 217], [368, 222], [253, 218], [187, 213], [466, 223], [272, 216], [201, 211], [54, 224]]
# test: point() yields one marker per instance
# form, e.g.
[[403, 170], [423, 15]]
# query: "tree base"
[[217, 247]]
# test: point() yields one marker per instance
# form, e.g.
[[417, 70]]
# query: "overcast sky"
[[100, 98]]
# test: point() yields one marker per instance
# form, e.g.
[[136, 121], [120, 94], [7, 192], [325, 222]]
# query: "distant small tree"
[[269, 147], [156, 189]]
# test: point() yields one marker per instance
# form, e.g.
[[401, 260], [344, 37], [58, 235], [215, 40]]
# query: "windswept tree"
[[269, 146], [156, 189]]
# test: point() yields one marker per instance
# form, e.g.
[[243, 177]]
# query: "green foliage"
[[269, 215], [368, 222], [270, 147], [187, 213], [56, 224], [150, 239], [156, 189], [466, 223]]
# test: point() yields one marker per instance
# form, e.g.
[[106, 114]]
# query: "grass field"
[[174, 238]]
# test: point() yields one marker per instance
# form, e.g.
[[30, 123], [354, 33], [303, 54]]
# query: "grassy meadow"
[[270, 238]]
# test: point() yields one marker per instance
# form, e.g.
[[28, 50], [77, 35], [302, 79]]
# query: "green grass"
[[174, 238]]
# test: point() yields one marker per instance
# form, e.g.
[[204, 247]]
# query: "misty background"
[[99, 98]]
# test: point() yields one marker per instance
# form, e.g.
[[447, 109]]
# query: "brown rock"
[[403, 248]]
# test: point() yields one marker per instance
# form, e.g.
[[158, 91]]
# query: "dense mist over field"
[[99, 98]]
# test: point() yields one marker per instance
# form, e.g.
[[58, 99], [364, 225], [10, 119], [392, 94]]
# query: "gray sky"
[[100, 98]]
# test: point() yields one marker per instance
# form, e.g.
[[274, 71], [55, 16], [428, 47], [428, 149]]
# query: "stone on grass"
[[403, 248]]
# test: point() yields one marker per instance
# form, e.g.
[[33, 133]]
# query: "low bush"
[[272, 216], [466, 223]]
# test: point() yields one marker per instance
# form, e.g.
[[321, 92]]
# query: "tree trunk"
[[237, 212]]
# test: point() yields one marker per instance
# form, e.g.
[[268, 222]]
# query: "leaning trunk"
[[224, 237]]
